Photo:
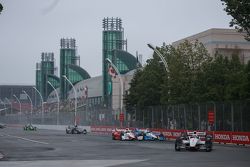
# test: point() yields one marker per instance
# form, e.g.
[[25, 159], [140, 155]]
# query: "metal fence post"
[[185, 117], [232, 116], [162, 121], [199, 116], [152, 120], [143, 118], [215, 117]]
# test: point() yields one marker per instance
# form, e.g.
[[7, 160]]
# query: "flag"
[[112, 72], [86, 91]]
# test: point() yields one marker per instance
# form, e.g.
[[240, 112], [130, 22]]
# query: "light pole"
[[64, 76], [10, 104], [30, 103], [58, 105], [160, 55], [42, 102], [162, 59], [121, 82], [20, 106]]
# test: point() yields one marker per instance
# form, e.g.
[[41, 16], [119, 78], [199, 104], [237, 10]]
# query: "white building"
[[223, 41]]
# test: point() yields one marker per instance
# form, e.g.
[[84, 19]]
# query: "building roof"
[[219, 35]]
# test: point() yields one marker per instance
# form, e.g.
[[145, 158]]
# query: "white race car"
[[127, 135], [123, 134], [194, 141]]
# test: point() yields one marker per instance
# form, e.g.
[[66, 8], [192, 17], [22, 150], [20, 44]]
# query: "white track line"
[[34, 141]]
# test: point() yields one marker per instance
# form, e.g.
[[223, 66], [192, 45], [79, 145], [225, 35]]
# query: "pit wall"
[[225, 137]]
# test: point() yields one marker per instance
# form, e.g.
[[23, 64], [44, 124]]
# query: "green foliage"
[[247, 83], [1, 8], [145, 87], [132, 97], [225, 79], [193, 76], [185, 65], [240, 11], [235, 80]]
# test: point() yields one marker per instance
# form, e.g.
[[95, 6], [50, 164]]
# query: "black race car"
[[75, 130], [2, 126], [29, 127]]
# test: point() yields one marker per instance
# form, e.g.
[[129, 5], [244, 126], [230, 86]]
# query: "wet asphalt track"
[[55, 148]]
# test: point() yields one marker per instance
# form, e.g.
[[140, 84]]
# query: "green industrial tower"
[[115, 49], [112, 38], [69, 66], [45, 71]]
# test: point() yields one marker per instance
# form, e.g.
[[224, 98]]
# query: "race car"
[[160, 136], [29, 127], [139, 134], [194, 141], [75, 130], [148, 135], [123, 134], [2, 126]]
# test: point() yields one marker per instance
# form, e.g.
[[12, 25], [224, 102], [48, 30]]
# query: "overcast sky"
[[30, 27]]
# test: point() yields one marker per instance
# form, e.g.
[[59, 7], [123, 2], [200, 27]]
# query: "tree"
[[217, 75], [235, 79], [131, 97], [247, 85], [225, 79], [185, 66], [240, 11], [145, 87], [1, 8]]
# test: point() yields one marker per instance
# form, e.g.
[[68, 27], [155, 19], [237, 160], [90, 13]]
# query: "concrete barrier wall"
[[60, 127]]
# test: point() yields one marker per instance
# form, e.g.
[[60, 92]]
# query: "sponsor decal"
[[222, 137], [167, 133], [103, 129], [176, 134], [109, 129], [240, 138]]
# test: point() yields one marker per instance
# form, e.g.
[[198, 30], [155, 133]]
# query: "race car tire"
[[121, 136], [178, 142], [177, 147], [84, 131], [208, 149], [208, 146]]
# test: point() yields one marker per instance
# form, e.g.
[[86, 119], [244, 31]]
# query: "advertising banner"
[[218, 136]]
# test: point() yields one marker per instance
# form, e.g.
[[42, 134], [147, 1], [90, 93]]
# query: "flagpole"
[[121, 82]]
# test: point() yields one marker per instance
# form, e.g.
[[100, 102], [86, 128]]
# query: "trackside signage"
[[232, 137], [218, 136], [222, 137], [102, 129], [170, 134], [241, 138]]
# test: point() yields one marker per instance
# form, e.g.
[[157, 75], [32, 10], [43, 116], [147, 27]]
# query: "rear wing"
[[196, 133]]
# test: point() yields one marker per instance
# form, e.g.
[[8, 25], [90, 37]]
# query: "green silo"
[[113, 39]]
